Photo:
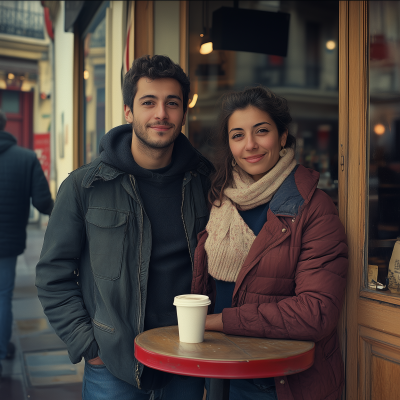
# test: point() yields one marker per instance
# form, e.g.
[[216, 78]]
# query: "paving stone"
[[52, 368], [12, 388]]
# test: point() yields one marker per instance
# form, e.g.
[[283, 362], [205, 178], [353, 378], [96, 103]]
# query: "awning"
[[18, 65], [72, 11]]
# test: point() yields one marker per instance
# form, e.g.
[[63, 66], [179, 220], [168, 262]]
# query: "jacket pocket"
[[103, 327], [106, 229]]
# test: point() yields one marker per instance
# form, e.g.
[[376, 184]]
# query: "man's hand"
[[214, 323], [96, 361]]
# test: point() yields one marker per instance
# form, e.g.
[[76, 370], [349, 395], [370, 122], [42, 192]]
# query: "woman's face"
[[254, 141]]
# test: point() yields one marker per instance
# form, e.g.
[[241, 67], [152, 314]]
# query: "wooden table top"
[[222, 356]]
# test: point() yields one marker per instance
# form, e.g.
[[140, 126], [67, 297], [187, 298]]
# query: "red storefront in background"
[[41, 145]]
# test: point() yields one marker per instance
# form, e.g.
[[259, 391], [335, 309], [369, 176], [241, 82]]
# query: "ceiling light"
[[194, 100], [11, 76], [379, 129], [206, 48], [330, 44]]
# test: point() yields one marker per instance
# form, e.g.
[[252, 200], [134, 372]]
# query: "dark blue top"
[[255, 220]]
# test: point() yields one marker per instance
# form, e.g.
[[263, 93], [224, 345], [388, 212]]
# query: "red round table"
[[222, 356]]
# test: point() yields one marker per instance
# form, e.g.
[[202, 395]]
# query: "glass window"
[[10, 101], [384, 148], [307, 77], [94, 81]]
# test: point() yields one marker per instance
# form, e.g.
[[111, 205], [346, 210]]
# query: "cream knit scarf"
[[229, 238]]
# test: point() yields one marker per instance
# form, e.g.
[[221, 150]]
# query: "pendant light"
[[206, 46]]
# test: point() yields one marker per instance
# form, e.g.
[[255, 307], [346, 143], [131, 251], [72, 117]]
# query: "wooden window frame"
[[85, 17], [143, 22]]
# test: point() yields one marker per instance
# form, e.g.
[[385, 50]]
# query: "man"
[[21, 179], [120, 242]]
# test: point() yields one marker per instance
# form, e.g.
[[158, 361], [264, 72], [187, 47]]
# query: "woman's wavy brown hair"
[[264, 100]]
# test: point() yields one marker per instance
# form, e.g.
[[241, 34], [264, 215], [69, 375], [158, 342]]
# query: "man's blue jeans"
[[100, 384], [7, 280]]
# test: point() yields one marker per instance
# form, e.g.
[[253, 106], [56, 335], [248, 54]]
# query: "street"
[[41, 369]]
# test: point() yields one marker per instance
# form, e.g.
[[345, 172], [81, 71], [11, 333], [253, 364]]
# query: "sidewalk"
[[41, 369]]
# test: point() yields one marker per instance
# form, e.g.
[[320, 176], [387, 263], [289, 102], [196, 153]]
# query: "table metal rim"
[[270, 367]]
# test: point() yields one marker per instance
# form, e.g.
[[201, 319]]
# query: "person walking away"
[[120, 242], [21, 179]]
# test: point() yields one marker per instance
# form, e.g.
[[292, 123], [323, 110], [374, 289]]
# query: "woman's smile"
[[254, 159]]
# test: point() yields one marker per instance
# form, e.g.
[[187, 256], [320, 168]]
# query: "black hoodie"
[[170, 269], [6, 141], [21, 179]]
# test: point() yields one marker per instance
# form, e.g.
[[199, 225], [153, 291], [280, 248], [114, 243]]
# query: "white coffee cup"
[[192, 312]]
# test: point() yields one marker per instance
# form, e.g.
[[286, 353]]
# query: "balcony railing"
[[22, 18]]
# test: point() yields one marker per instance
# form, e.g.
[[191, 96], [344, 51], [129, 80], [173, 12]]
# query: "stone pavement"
[[41, 369]]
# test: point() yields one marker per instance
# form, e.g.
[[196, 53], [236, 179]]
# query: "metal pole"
[[219, 389]]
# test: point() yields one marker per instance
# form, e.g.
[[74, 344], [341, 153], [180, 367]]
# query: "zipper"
[[103, 326], [140, 263], [137, 375], [184, 227]]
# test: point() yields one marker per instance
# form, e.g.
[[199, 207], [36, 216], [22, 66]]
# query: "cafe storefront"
[[338, 65]]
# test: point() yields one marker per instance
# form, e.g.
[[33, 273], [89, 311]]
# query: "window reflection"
[[307, 77], [94, 45], [384, 167]]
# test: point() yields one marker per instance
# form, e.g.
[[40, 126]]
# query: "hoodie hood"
[[6, 141], [115, 149]]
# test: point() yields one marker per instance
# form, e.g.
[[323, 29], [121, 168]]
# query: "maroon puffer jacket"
[[292, 284]]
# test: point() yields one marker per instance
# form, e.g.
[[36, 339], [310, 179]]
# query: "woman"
[[273, 257]]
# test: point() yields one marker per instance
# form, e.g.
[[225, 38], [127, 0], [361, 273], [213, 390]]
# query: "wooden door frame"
[[343, 143], [143, 28], [353, 188], [78, 101], [184, 35]]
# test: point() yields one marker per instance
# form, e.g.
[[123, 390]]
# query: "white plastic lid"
[[191, 300]]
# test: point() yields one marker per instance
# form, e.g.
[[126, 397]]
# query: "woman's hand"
[[96, 361], [214, 323]]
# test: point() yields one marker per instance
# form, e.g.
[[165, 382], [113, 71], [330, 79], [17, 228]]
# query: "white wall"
[[115, 43], [64, 57]]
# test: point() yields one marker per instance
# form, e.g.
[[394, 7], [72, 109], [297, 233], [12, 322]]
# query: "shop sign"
[[41, 146]]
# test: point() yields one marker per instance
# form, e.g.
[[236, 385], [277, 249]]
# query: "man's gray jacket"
[[93, 272]]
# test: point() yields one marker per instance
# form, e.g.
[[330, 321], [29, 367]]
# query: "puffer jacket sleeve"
[[320, 283], [56, 281]]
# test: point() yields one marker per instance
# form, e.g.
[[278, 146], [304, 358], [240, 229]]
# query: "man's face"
[[157, 116]]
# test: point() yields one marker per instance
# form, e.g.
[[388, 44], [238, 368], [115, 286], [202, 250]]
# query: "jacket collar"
[[295, 191], [100, 170]]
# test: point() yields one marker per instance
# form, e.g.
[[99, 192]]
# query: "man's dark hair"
[[3, 120], [155, 67]]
